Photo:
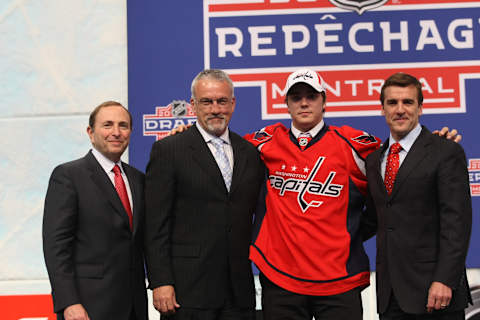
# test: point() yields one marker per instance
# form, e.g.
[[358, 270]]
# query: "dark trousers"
[[229, 311], [278, 304], [225, 313], [394, 312]]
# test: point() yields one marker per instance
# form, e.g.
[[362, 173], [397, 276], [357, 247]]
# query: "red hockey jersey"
[[308, 241]]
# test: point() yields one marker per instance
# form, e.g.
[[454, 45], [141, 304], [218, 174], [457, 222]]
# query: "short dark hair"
[[403, 80], [93, 115]]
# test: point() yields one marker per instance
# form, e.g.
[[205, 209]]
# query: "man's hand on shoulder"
[[180, 128], [75, 312], [164, 299], [439, 296], [450, 135]]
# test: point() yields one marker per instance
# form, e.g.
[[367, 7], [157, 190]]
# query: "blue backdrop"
[[260, 42]]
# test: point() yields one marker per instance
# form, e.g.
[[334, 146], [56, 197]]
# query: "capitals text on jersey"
[[308, 185]]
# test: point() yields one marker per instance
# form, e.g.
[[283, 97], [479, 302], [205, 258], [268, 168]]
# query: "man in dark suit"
[[201, 191], [419, 199], [93, 227]]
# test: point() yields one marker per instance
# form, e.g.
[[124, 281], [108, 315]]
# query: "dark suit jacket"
[[92, 257], [197, 233], [423, 226]]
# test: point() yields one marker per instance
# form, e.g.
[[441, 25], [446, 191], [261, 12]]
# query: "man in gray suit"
[[419, 199], [201, 191]]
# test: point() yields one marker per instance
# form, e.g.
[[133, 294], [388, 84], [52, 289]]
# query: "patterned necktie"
[[222, 161], [122, 193], [391, 169], [303, 140]]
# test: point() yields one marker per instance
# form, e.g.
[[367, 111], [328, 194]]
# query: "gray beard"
[[217, 130]]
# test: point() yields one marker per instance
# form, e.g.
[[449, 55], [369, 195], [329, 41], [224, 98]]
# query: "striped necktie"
[[222, 161]]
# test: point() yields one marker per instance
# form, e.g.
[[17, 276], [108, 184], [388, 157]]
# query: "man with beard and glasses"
[[201, 192]]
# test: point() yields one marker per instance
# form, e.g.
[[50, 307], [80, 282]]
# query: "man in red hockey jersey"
[[307, 244]]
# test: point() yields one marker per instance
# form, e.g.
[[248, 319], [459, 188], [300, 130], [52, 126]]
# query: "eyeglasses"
[[207, 102]]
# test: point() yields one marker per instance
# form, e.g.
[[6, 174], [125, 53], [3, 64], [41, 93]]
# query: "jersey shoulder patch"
[[365, 138], [265, 134], [261, 135], [355, 136], [360, 141]]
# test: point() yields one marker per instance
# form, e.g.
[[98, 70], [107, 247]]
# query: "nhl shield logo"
[[179, 108], [303, 141], [358, 5]]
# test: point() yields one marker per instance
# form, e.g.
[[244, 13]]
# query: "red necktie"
[[391, 169], [303, 140], [122, 193]]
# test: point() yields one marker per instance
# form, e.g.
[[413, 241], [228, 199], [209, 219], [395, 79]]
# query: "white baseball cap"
[[307, 76]]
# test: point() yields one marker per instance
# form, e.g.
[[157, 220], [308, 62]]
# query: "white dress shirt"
[[406, 143], [107, 166], [227, 146]]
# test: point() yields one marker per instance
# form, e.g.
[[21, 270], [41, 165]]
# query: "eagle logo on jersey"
[[261, 135], [365, 139]]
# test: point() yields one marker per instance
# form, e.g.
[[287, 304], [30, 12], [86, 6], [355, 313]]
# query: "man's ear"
[[286, 102], [194, 106], [90, 133], [234, 101]]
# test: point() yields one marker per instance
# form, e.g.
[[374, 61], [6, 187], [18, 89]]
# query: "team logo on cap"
[[304, 76], [358, 5]]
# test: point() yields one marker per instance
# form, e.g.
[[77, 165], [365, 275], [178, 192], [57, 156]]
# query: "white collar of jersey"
[[313, 132]]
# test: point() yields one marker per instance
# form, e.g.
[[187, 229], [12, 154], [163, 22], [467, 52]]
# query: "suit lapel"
[[239, 160], [201, 154], [377, 162], [100, 178], [417, 153]]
